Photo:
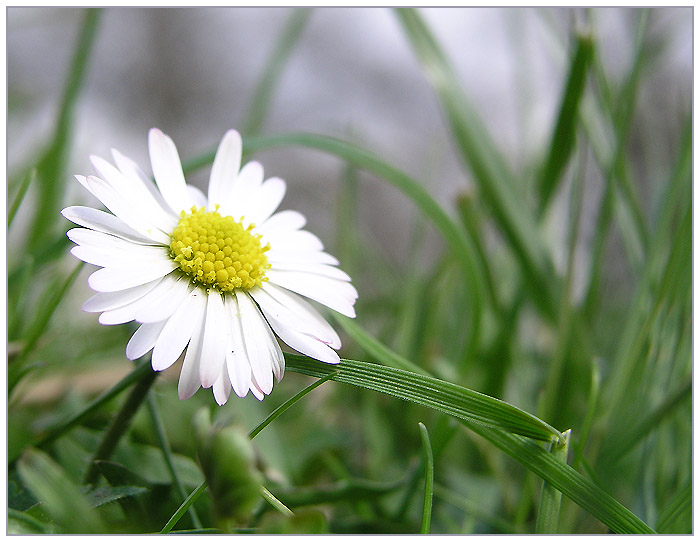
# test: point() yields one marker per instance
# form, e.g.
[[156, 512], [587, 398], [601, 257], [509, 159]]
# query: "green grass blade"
[[496, 183], [427, 391], [550, 499], [274, 68], [162, 440], [191, 499], [564, 136], [620, 445], [19, 197], [55, 294], [565, 479], [275, 503], [681, 503], [429, 476], [52, 166], [288, 403]]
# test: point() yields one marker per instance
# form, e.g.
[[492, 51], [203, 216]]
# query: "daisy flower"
[[216, 276]]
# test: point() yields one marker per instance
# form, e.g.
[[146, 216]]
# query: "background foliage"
[[559, 282]]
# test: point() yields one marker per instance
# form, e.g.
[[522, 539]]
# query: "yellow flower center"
[[216, 251]]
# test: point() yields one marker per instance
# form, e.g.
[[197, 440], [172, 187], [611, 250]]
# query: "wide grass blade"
[[428, 391], [565, 479]]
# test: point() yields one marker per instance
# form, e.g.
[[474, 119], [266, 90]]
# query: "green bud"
[[227, 459]]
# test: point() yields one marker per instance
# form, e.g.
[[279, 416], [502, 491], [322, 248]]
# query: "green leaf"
[[104, 495], [61, 498], [427, 391]]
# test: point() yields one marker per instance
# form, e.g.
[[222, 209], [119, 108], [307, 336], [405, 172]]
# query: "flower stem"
[[111, 438]]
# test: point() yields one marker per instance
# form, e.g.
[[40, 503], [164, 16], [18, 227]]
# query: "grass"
[[482, 396]]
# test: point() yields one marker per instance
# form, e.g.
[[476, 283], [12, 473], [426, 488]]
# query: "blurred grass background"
[[520, 226]]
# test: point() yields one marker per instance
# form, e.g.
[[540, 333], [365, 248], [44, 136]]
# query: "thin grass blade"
[[429, 476]]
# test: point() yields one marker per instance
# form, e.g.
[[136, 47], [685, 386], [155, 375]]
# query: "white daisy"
[[214, 275]]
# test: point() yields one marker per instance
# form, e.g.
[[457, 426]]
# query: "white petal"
[[304, 344], [298, 305], [98, 239], [266, 200], [155, 296], [338, 295], [236, 358], [291, 319], [249, 178], [103, 222], [160, 304], [300, 240], [167, 170], [130, 168], [141, 255], [127, 313], [284, 220], [237, 196], [143, 340], [197, 196], [277, 255], [175, 335], [257, 342], [227, 162], [189, 382], [255, 389], [222, 387], [110, 279], [313, 268], [135, 188], [127, 208], [214, 342], [105, 301]]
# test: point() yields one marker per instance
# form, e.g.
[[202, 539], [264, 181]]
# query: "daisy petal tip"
[[184, 394], [221, 401]]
